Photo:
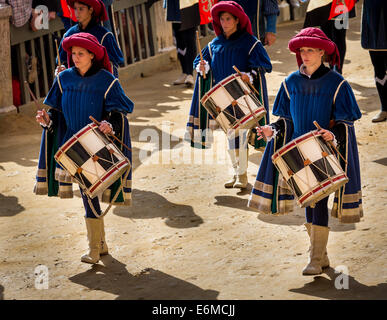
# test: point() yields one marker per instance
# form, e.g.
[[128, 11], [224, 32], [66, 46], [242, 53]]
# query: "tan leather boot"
[[104, 248], [230, 183], [241, 181], [94, 237], [319, 240], [325, 261]]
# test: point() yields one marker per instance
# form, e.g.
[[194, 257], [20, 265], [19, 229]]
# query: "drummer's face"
[[229, 23], [82, 58], [311, 56], [82, 12]]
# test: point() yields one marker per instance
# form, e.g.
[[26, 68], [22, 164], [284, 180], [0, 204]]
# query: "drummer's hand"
[[203, 66], [42, 117], [59, 69], [245, 77], [326, 134], [105, 127], [270, 38], [266, 131]]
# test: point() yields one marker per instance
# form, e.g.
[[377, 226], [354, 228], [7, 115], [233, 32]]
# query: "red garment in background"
[[205, 10], [341, 6], [68, 12], [16, 92]]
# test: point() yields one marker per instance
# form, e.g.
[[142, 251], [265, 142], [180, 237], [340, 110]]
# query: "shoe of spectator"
[[189, 81], [381, 116], [181, 79]]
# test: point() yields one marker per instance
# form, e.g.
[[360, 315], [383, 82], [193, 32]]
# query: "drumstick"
[[200, 51], [251, 86], [57, 53], [255, 118], [330, 142], [99, 123]]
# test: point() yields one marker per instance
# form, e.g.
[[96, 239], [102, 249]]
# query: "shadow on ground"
[[149, 284]]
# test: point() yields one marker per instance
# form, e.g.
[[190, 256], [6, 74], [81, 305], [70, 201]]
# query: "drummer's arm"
[[339, 131], [114, 120]]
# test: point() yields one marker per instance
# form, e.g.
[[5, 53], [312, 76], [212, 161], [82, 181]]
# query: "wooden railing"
[[135, 30]]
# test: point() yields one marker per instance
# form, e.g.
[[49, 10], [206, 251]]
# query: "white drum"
[[92, 160], [232, 104], [310, 168]]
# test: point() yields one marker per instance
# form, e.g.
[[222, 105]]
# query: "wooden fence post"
[[6, 97]]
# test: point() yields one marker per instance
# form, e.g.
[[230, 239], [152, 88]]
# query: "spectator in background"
[[184, 32], [264, 28], [37, 14], [318, 15], [21, 11], [67, 15], [108, 5], [374, 39], [90, 14]]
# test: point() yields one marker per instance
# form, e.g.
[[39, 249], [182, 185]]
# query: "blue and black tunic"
[[329, 100]]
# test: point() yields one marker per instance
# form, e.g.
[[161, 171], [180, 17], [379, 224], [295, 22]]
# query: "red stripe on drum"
[[311, 193], [108, 174], [293, 143], [220, 84]]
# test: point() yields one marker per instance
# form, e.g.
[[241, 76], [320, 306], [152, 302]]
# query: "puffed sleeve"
[[206, 56], [258, 57], [114, 52], [116, 99], [346, 107], [54, 96], [281, 105]]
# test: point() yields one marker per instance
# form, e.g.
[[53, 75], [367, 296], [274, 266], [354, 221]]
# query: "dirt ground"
[[186, 236]]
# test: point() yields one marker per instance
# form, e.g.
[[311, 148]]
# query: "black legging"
[[379, 61], [337, 36], [186, 47]]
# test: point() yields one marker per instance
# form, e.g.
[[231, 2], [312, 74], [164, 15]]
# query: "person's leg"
[[93, 225], [181, 51], [340, 36], [379, 61], [317, 227], [241, 180], [189, 49]]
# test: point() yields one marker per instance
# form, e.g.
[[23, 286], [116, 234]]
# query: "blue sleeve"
[[116, 100], [259, 58], [346, 107], [281, 107], [206, 56], [113, 50], [54, 96], [271, 23]]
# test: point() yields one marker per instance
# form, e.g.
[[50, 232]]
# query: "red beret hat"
[[236, 10], [98, 6], [89, 42], [314, 38]]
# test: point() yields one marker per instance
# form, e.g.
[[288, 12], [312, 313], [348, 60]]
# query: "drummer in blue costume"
[[88, 88], [234, 45], [313, 93], [90, 14]]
